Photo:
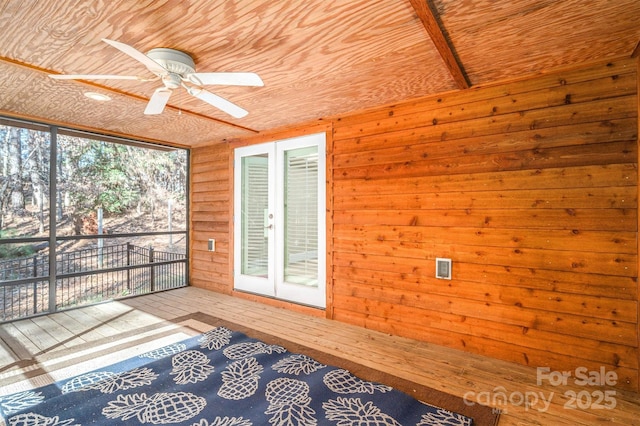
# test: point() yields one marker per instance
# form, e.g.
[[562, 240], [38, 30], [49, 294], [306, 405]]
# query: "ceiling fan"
[[176, 69]]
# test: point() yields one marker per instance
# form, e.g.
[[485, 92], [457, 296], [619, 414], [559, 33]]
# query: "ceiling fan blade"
[[158, 101], [93, 77], [226, 78], [151, 65], [218, 102]]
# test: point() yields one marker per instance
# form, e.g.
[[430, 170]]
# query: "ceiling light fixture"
[[97, 96]]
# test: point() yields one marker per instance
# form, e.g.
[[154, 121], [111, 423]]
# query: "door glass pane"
[[301, 216], [255, 203]]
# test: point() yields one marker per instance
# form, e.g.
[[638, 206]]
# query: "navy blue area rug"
[[222, 378]]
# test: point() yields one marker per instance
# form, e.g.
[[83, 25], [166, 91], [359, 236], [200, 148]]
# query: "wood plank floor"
[[39, 350]]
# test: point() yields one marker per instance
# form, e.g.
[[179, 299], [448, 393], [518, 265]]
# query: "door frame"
[[284, 293]]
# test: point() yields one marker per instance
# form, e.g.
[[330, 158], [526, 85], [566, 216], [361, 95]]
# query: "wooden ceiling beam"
[[431, 24], [636, 51]]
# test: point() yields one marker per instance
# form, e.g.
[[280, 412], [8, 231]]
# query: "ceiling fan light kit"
[[175, 69]]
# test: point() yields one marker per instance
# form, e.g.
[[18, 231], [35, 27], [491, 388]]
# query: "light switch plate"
[[212, 244]]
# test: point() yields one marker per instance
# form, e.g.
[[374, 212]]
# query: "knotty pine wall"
[[530, 187]]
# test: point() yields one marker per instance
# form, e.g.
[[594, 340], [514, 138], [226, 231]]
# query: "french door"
[[279, 219]]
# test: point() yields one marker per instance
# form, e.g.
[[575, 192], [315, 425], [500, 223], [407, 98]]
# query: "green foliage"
[[116, 194], [12, 251], [99, 177], [90, 174], [119, 177]]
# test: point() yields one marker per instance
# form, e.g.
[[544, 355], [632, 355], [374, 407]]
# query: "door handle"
[[269, 227]]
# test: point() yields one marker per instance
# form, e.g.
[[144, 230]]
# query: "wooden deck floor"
[[39, 350]]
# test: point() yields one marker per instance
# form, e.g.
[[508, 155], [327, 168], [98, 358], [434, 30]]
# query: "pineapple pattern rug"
[[222, 378]]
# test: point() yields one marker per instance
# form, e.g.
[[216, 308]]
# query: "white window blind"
[[255, 188], [301, 216]]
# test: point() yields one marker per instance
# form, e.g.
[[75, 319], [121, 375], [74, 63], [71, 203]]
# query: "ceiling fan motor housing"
[[176, 62]]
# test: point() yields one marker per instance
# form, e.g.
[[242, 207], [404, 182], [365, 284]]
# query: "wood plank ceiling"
[[318, 58]]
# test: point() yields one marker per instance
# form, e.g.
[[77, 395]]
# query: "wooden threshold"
[[34, 350]]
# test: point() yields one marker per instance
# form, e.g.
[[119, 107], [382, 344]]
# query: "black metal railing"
[[26, 267], [23, 300], [86, 276]]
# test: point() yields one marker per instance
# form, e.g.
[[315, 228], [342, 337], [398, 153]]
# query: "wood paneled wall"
[[530, 187], [210, 218]]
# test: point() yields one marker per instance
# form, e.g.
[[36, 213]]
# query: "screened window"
[[86, 218]]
